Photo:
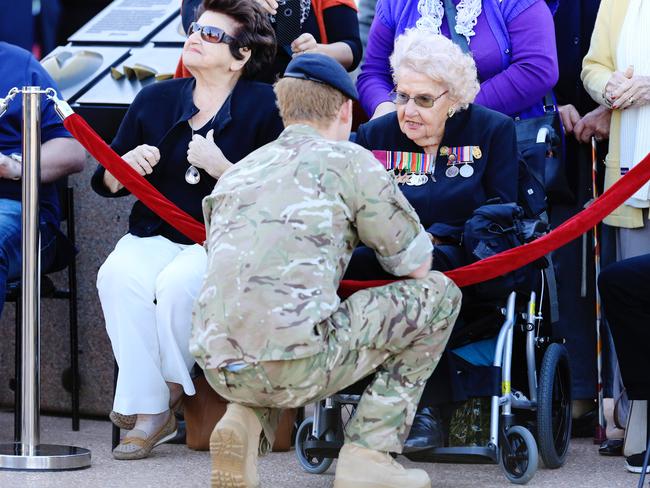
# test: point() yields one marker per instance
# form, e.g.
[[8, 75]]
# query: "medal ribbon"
[[464, 154], [409, 162]]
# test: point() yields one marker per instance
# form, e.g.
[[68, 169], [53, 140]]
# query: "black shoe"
[[426, 431], [634, 463], [611, 447]]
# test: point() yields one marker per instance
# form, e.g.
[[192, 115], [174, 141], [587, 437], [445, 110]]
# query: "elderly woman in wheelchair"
[[472, 156], [452, 157]]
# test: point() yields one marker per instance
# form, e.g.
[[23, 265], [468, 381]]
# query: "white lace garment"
[[432, 12]]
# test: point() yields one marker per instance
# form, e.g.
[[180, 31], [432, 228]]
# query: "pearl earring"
[[451, 112]]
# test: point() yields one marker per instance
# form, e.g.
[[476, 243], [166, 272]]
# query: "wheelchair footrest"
[[458, 455], [318, 448]]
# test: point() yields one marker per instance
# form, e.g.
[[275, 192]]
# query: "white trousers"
[[147, 287]]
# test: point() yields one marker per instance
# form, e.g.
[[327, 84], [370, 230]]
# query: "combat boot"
[[233, 447], [359, 467]]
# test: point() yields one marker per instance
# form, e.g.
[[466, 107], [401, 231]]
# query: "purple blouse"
[[515, 68]]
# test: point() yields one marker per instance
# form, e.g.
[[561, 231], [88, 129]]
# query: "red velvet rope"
[[133, 181], [478, 272], [515, 258]]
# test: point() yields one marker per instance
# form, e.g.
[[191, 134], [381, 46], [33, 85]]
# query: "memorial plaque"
[[171, 35], [127, 22], [144, 66], [75, 68]]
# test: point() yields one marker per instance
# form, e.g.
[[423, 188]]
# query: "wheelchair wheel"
[[554, 406], [520, 465], [311, 464]]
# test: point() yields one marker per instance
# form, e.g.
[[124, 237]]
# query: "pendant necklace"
[[192, 175]]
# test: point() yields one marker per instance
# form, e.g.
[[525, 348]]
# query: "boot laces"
[[393, 463]]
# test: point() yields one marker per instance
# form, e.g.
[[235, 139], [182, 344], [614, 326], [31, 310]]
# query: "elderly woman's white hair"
[[440, 59]]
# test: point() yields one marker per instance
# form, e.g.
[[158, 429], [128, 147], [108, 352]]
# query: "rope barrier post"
[[27, 453]]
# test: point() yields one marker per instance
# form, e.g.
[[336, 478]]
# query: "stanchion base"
[[44, 457]]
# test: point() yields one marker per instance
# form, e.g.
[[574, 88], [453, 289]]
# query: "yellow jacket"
[[597, 68]]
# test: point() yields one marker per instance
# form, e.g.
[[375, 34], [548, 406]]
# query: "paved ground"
[[178, 467]]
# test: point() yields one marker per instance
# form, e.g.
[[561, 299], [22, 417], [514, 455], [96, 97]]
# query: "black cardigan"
[[446, 203], [159, 117]]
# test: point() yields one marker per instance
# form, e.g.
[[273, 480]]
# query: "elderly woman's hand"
[[570, 117], [304, 43], [143, 158], [383, 108], [596, 123], [634, 91], [270, 6], [203, 153], [615, 81]]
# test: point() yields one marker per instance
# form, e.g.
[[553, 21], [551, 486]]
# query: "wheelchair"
[[526, 422]]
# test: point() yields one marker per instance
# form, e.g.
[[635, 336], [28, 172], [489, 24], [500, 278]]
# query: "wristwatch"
[[19, 158]]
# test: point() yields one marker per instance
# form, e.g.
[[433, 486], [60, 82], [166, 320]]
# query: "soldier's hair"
[[254, 31], [305, 100]]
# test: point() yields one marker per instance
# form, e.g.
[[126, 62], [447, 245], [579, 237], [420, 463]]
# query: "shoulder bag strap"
[[450, 14]]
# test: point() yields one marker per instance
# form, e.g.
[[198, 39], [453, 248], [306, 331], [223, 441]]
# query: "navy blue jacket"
[[574, 23], [445, 204], [159, 117]]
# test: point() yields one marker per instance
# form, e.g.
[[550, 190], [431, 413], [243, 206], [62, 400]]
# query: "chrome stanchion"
[[28, 453]]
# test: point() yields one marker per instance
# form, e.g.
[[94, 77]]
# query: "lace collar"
[[432, 12]]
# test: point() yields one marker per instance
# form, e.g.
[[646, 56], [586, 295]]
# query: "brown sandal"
[[126, 422]]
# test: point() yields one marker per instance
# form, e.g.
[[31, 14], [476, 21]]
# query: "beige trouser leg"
[[399, 331]]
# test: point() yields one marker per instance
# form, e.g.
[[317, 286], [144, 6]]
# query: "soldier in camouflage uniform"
[[269, 329]]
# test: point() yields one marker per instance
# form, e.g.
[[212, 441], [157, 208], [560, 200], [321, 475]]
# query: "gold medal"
[[476, 152], [444, 151]]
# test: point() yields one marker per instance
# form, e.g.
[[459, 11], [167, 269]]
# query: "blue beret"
[[322, 69]]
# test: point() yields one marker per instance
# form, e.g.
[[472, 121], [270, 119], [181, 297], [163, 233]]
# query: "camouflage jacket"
[[281, 226]]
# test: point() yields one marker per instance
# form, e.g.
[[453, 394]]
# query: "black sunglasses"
[[210, 33], [424, 101]]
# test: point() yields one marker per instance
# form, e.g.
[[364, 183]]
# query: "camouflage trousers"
[[398, 331]]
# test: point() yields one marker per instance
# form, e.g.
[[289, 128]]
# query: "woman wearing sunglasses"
[[181, 135], [327, 27], [449, 155]]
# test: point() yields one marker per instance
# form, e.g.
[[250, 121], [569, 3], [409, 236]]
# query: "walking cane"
[[600, 433]]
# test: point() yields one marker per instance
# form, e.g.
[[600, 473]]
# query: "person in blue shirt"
[[181, 135], [60, 155], [456, 155]]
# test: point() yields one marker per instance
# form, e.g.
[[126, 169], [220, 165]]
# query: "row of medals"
[[454, 168]]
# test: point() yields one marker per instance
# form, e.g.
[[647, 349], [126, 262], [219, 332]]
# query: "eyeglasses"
[[424, 101], [210, 33]]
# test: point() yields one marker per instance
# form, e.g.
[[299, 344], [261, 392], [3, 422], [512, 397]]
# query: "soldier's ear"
[[345, 112]]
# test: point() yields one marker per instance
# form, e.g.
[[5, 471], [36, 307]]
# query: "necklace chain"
[[210, 122]]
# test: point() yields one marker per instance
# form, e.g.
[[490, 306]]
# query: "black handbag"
[[540, 144], [539, 139]]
